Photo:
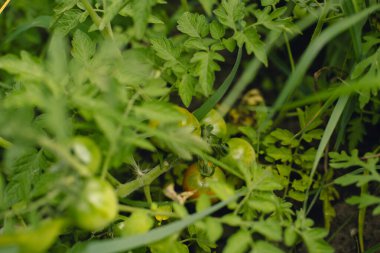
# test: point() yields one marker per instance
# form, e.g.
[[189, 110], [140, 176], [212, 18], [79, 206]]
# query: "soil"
[[344, 229]]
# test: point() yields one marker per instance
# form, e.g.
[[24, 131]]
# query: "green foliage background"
[[116, 71]]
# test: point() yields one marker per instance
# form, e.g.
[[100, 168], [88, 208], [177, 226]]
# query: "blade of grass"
[[129, 243], [332, 123], [368, 83], [374, 249], [39, 22], [355, 30], [217, 96], [311, 52]]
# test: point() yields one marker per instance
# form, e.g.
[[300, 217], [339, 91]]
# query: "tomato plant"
[[194, 180], [97, 205], [128, 86]]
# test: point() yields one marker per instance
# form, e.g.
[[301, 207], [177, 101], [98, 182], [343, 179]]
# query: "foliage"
[[107, 95]]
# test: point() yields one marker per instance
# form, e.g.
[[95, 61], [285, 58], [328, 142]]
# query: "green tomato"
[[189, 121], [240, 153], [87, 152], [299, 11], [216, 121], [194, 181], [97, 205], [138, 223]]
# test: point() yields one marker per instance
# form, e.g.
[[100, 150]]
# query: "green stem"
[[113, 180], [127, 188], [361, 217], [107, 32], [289, 50], [321, 21], [148, 196]]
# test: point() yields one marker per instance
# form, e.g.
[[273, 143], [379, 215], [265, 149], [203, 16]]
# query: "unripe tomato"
[[87, 152], [217, 123], [299, 11], [189, 121], [163, 208], [97, 205], [194, 181], [240, 152], [138, 223]]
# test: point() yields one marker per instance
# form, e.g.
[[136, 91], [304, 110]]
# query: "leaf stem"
[[361, 216], [107, 32], [127, 188]]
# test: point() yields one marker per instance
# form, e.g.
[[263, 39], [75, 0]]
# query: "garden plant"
[[182, 126]]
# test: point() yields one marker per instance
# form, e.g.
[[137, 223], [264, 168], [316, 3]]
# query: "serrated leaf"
[[165, 49], [27, 67], [283, 154], [196, 43], [68, 21], [269, 2], [264, 180], [83, 48], [238, 242], [217, 30], [251, 39], [230, 12], [315, 134], [343, 160], [161, 112], [232, 220], [142, 11], [214, 229], [290, 236], [25, 169], [269, 228], [347, 179], [205, 67], [364, 200], [207, 5], [296, 195], [186, 89], [314, 242], [285, 136], [230, 44], [273, 20], [356, 132], [64, 6], [193, 24], [365, 65]]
